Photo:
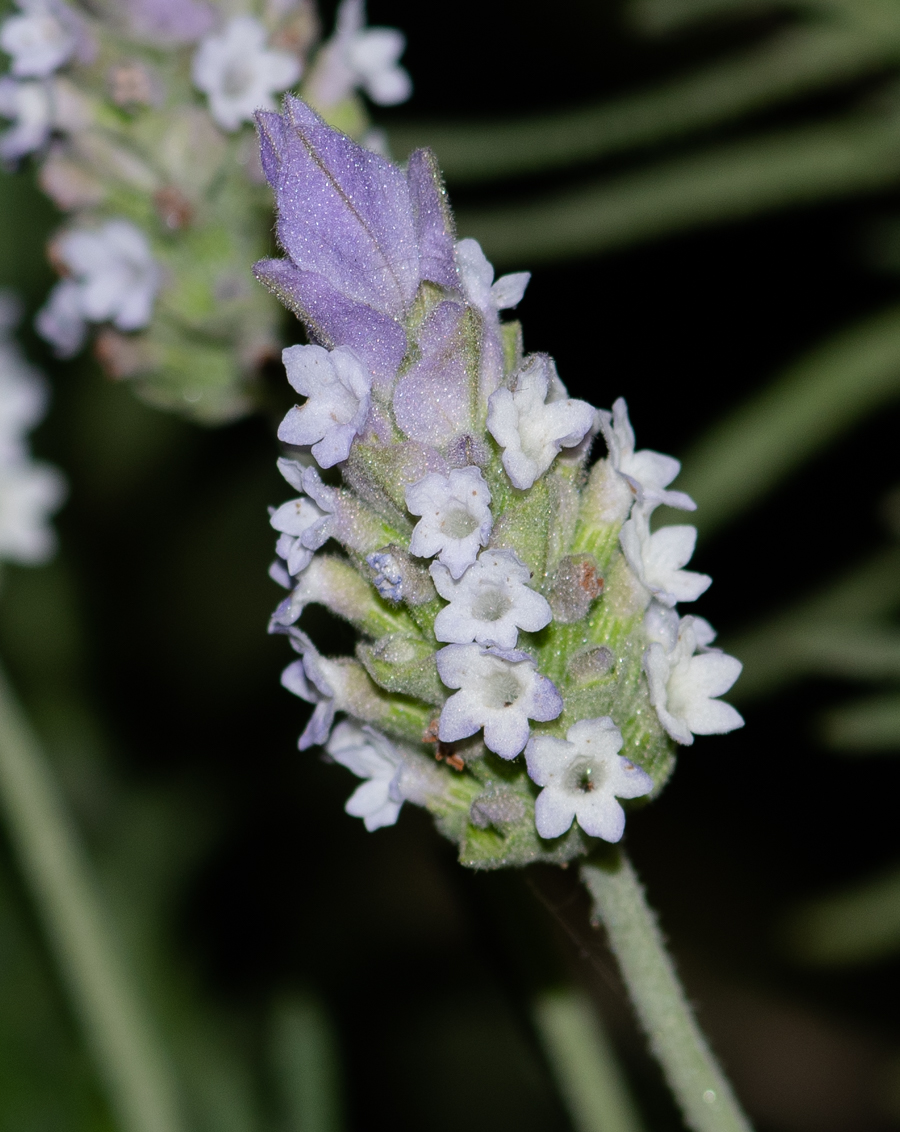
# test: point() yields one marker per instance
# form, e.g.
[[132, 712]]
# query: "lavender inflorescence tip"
[[517, 620]]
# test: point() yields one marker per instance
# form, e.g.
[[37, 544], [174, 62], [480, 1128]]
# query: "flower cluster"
[[521, 665], [30, 491], [139, 114]]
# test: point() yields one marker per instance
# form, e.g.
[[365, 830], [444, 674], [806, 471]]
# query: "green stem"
[[65, 893], [699, 1085], [584, 1063]]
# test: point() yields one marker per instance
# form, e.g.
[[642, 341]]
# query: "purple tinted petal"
[[316, 732], [548, 703], [343, 211], [169, 21], [432, 402], [333, 319], [433, 220]]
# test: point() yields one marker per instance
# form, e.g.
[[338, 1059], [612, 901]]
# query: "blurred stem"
[[820, 396], [792, 63], [306, 1061], [701, 1089], [59, 878], [853, 154], [584, 1063]]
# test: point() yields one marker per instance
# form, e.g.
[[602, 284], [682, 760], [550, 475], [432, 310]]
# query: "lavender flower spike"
[[360, 235], [465, 518]]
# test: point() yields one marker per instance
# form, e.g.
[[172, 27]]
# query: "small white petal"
[[647, 472], [456, 517], [490, 602], [337, 387], [499, 691], [582, 776], [238, 74], [684, 685], [531, 427]]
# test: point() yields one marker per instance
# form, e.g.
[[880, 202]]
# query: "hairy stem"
[[59, 877], [699, 1085]]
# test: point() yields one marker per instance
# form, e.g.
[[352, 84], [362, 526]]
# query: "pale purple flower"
[[114, 277], [490, 603], [360, 235], [582, 776], [530, 428], [657, 559], [456, 517], [500, 691], [684, 684], [372, 756], [308, 679], [39, 40], [477, 275], [646, 472], [337, 387], [61, 321], [357, 56], [239, 74], [30, 106], [29, 494], [304, 524]]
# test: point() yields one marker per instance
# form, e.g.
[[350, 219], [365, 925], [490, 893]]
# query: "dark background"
[[153, 621]]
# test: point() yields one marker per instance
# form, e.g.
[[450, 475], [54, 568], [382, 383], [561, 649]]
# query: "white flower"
[[337, 387], [30, 107], [41, 39], [684, 686], [114, 276], [490, 602], [238, 74], [657, 559], [372, 756], [582, 776], [532, 429], [29, 494], [456, 517], [500, 691], [305, 523], [308, 679], [362, 57], [477, 275], [646, 472]]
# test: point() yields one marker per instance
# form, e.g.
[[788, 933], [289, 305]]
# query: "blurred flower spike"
[[517, 621], [139, 115], [30, 491]]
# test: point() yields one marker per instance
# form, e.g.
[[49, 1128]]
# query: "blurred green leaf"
[[867, 725], [858, 925], [661, 16], [823, 394], [774, 651], [795, 61], [857, 153]]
